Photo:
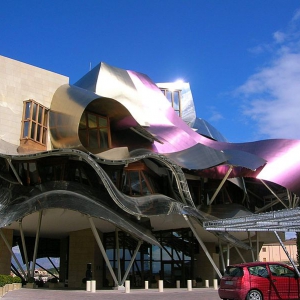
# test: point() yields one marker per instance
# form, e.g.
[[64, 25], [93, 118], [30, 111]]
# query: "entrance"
[[173, 271]]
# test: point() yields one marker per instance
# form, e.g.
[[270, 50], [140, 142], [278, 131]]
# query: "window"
[[138, 181], [264, 249], [279, 270], [260, 271], [174, 97], [234, 271], [94, 132], [34, 122]]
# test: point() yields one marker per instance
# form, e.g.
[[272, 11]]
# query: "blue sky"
[[242, 58]]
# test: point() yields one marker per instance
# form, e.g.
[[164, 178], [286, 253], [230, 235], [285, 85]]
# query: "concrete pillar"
[[83, 249], [5, 255], [203, 268]]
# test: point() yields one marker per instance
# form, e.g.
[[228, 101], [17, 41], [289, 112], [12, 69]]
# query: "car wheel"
[[254, 295]]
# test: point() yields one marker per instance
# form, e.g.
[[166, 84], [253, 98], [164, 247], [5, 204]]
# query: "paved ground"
[[167, 294]]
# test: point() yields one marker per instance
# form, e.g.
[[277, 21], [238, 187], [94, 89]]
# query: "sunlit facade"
[[117, 171]]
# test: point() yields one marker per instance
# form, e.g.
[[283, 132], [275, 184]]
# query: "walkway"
[[167, 294]]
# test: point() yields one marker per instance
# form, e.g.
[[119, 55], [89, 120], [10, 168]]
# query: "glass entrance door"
[[171, 272]]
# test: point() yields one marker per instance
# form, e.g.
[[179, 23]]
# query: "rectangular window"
[[34, 122], [94, 132], [174, 97]]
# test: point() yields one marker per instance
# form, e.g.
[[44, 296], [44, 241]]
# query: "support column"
[[24, 248], [98, 240], [132, 261], [228, 255], [287, 253], [5, 256], [36, 245], [250, 244], [203, 246], [118, 256]]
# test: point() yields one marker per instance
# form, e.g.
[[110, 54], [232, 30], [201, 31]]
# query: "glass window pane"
[[176, 100], [44, 138], [38, 134], [45, 117], [103, 138], [32, 135], [82, 124], [92, 121], [26, 129], [93, 138], [135, 183], [145, 188], [169, 96], [40, 117], [27, 110], [102, 122], [34, 116]]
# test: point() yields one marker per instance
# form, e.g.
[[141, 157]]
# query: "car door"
[[260, 280], [284, 282]]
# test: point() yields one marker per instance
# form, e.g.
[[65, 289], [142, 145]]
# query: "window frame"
[[86, 130], [165, 91], [34, 122]]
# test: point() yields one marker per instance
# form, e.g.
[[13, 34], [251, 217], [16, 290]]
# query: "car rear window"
[[234, 271]]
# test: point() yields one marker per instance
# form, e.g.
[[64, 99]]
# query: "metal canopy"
[[281, 220]]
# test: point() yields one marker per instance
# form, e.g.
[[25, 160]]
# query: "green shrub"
[[17, 279], [8, 279]]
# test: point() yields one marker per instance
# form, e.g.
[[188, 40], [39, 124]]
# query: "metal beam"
[[131, 261], [54, 266], [98, 240], [273, 193], [240, 254], [202, 245], [250, 243], [287, 253], [118, 255], [47, 270], [14, 171], [220, 186], [36, 244], [24, 248], [222, 256]]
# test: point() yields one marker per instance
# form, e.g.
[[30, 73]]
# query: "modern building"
[[118, 173]]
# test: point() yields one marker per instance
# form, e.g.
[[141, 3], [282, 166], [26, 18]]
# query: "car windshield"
[[234, 271]]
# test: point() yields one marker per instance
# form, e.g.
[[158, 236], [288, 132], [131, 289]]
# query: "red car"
[[260, 281]]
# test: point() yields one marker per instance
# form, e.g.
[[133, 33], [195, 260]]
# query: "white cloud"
[[214, 114], [296, 16], [272, 95], [279, 36]]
